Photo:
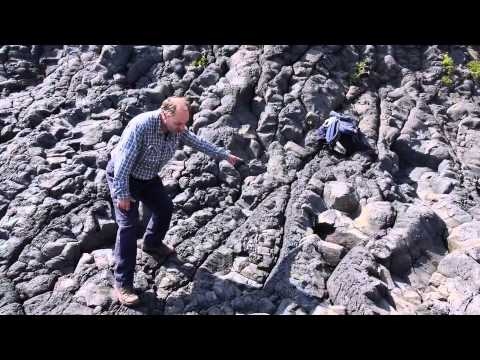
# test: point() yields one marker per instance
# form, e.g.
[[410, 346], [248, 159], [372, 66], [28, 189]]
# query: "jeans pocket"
[[127, 218]]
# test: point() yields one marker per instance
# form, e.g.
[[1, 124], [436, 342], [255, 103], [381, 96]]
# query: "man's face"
[[176, 123]]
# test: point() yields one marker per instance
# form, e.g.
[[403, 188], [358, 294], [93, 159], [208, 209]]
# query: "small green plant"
[[447, 62], [202, 61], [361, 69], [447, 80], [474, 68], [449, 69]]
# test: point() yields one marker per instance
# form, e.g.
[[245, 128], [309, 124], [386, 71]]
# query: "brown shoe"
[[127, 296], [163, 250]]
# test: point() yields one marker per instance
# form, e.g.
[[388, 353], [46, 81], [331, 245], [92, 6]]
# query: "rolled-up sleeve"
[[126, 157], [192, 140]]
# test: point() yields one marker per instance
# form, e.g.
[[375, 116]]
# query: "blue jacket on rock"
[[335, 125]]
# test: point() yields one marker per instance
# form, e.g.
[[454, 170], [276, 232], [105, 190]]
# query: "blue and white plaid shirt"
[[144, 149]]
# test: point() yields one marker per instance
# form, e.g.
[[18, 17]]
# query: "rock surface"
[[294, 229]]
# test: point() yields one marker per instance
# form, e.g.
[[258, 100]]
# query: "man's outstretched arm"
[[192, 140]]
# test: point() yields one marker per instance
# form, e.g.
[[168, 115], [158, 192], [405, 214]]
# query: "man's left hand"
[[232, 159]]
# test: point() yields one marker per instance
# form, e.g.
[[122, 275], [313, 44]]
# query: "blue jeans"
[[153, 195]]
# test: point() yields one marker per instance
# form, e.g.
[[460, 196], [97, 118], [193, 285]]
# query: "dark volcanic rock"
[[294, 229]]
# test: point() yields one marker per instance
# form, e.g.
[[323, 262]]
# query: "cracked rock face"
[[295, 229]]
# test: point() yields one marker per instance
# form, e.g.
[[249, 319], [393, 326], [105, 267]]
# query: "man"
[[148, 142]]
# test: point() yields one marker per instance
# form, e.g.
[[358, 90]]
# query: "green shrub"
[[447, 80], [447, 62], [202, 61], [361, 68], [474, 68], [449, 69]]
